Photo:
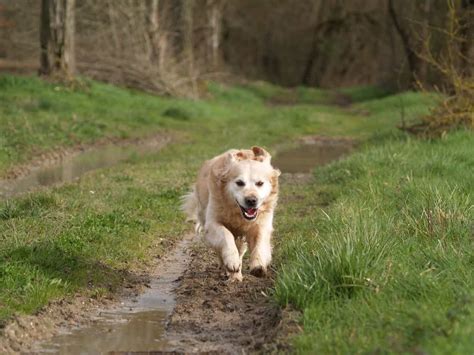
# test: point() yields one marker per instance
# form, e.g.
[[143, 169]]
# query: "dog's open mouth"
[[249, 213]]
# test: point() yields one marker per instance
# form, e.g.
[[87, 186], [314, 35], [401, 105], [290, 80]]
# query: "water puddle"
[[73, 167], [313, 152], [138, 325]]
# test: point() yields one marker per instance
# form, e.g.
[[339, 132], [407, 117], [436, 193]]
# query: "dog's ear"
[[261, 154], [232, 156], [239, 155], [276, 172], [222, 168]]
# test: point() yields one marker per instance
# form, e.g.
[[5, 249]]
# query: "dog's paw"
[[234, 276], [231, 261], [258, 271]]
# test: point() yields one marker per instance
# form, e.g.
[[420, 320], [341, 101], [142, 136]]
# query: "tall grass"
[[388, 267]]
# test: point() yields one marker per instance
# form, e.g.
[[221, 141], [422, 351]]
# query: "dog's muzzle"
[[249, 213]]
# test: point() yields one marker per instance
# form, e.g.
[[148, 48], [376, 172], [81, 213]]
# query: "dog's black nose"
[[251, 201]]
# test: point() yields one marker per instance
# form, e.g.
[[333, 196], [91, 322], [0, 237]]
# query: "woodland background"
[[170, 46]]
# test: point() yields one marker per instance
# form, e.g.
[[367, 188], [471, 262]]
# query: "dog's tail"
[[190, 206]]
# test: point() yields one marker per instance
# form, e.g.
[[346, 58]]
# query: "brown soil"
[[215, 316], [53, 157]]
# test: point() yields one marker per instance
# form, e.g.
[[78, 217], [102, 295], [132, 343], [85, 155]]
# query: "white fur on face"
[[251, 173]]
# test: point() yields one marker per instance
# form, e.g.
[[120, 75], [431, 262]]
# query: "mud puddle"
[[74, 166], [137, 325], [312, 152]]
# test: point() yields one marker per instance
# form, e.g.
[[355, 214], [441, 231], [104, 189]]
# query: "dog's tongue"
[[251, 211]]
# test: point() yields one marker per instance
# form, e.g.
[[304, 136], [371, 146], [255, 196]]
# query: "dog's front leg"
[[261, 249], [222, 240]]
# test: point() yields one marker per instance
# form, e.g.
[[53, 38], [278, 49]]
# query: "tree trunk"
[[153, 30], [422, 66], [410, 53], [57, 29], [188, 42], [308, 69], [112, 13], [467, 35], [215, 28]]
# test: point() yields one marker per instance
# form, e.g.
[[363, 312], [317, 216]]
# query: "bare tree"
[[167, 46], [467, 36], [57, 29], [214, 8], [405, 38], [153, 30], [306, 79], [412, 43], [112, 15], [188, 41], [457, 105]]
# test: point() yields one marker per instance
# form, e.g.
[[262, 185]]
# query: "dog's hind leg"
[[194, 212]]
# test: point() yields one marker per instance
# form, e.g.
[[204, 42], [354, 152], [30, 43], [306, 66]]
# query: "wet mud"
[[215, 316]]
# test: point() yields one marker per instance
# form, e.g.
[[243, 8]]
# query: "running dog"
[[232, 204]]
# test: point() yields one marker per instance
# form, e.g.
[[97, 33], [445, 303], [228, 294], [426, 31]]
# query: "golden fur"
[[214, 205]]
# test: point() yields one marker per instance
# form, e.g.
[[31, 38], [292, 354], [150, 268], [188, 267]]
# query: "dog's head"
[[249, 179]]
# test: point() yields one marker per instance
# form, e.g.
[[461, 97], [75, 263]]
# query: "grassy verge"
[[388, 266], [87, 237]]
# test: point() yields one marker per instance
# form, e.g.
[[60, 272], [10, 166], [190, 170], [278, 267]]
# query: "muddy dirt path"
[[212, 315]]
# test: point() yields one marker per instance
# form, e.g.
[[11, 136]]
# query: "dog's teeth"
[[250, 214]]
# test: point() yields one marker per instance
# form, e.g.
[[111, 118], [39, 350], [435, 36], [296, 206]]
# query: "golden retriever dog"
[[232, 204]]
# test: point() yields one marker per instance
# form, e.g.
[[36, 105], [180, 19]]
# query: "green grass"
[[37, 117], [388, 266], [92, 236]]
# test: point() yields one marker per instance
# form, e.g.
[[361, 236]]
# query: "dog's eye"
[[259, 183], [240, 183]]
